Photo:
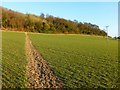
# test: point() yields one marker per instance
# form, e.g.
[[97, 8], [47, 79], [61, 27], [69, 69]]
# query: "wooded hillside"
[[17, 21]]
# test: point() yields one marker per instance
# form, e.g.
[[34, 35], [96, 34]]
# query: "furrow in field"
[[39, 73]]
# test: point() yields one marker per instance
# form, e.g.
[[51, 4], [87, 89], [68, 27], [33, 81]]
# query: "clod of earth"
[[39, 73]]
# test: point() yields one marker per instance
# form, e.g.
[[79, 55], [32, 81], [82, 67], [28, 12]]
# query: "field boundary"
[[39, 73]]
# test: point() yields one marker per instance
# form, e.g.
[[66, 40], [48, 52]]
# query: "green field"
[[80, 61], [13, 60]]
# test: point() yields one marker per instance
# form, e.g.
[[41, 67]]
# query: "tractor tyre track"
[[39, 73]]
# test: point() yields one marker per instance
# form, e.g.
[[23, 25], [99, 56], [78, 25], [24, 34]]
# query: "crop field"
[[13, 60], [80, 61]]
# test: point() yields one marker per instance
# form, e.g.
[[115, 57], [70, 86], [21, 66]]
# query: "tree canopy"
[[13, 20]]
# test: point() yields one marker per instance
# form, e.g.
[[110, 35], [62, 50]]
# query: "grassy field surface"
[[13, 60], [80, 61]]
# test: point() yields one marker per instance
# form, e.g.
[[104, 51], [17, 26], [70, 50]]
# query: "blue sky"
[[100, 13]]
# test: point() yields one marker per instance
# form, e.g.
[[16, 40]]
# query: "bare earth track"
[[39, 73]]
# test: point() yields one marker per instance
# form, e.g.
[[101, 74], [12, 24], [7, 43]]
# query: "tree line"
[[17, 21]]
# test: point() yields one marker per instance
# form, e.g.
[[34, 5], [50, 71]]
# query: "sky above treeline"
[[99, 13]]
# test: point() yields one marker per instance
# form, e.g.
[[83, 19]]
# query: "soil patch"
[[39, 73]]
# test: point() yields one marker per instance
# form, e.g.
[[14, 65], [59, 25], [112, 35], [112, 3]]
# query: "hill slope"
[[46, 24]]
